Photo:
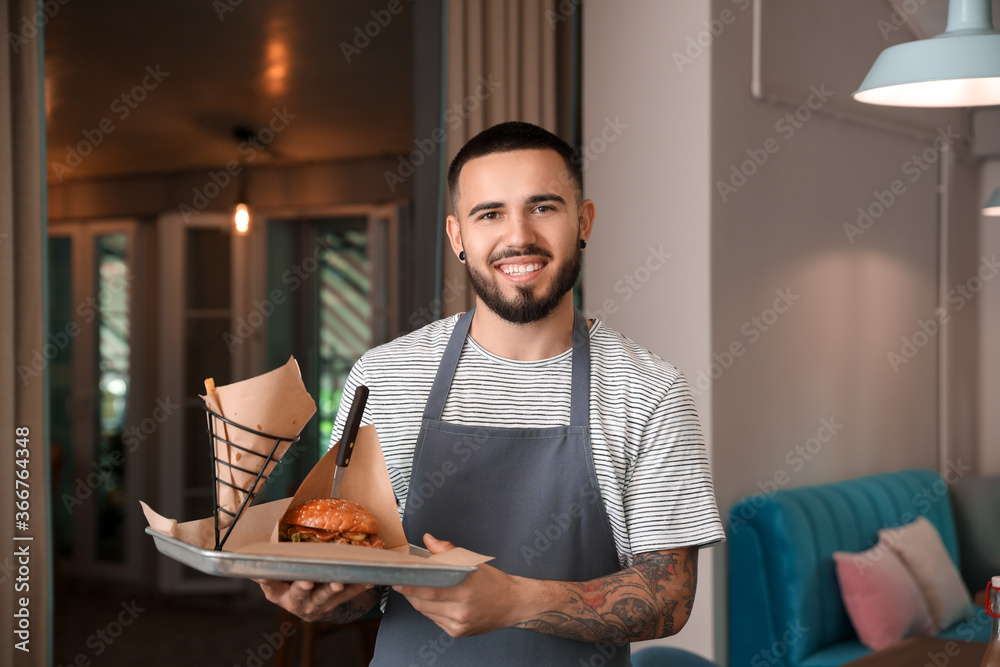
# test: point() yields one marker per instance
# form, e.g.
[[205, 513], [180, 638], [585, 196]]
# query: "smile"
[[520, 269]]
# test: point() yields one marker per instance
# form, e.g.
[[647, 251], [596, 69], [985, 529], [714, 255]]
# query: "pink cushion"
[[882, 599]]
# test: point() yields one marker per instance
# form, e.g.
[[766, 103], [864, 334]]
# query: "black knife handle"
[[351, 426]]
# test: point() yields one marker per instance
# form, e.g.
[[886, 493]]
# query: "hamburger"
[[330, 520]]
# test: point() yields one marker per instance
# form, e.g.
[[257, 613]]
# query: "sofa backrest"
[[784, 599]]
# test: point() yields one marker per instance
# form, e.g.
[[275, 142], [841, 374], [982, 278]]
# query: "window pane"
[[322, 272], [344, 316], [113, 355]]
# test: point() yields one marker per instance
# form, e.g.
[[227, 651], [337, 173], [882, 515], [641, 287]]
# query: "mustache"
[[531, 250]]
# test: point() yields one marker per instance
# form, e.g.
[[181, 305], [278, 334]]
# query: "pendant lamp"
[[993, 205], [958, 68]]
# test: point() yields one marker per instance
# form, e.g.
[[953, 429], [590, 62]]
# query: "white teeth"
[[518, 269]]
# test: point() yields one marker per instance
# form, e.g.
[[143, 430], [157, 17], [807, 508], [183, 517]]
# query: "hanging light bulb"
[[958, 68], [241, 218], [241, 214]]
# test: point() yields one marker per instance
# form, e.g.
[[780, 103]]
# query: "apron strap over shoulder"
[[434, 407], [579, 411], [580, 389]]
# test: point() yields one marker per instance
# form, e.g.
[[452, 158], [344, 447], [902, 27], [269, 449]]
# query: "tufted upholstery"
[[785, 607]]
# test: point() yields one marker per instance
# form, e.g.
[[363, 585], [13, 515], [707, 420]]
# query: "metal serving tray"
[[249, 566]]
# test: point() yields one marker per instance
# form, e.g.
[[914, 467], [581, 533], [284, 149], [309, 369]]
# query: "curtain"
[[24, 560], [503, 63]]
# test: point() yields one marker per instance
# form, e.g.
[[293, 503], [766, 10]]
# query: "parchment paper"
[[366, 482], [275, 403]]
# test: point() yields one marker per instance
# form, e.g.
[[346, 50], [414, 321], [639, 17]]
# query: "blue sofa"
[[785, 607]]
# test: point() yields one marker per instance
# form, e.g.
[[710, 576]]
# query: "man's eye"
[[491, 215], [544, 208]]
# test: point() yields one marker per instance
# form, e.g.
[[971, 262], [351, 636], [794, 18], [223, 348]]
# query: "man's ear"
[[588, 212], [454, 234]]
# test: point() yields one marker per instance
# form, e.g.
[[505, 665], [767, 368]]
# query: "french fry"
[[210, 386]]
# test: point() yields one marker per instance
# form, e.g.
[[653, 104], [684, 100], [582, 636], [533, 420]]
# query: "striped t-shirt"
[[649, 453]]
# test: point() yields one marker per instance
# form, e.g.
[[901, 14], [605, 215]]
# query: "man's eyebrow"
[[484, 206], [538, 199], [533, 199]]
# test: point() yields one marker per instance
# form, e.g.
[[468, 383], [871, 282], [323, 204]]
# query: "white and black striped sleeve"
[[669, 500]]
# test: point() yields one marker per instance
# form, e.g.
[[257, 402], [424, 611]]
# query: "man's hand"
[[328, 602], [483, 602], [651, 599]]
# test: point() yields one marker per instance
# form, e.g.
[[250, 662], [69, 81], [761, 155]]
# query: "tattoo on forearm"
[[354, 608], [648, 600]]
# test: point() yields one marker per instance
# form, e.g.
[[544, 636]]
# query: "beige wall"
[[856, 296], [784, 325], [646, 137]]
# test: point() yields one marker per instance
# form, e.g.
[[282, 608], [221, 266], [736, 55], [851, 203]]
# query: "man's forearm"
[[354, 608], [651, 599]]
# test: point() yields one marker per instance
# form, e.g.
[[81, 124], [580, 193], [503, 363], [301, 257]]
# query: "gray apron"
[[527, 496]]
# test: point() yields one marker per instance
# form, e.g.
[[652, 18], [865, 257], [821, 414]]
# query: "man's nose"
[[521, 231]]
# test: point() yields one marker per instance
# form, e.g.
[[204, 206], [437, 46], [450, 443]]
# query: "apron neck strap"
[[579, 412], [580, 388], [434, 407]]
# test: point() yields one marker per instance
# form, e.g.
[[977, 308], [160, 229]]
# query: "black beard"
[[525, 308]]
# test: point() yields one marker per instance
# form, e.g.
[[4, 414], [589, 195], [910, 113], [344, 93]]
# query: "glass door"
[[91, 286], [338, 274]]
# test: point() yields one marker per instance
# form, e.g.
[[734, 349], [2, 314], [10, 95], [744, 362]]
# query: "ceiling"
[[221, 64], [232, 63]]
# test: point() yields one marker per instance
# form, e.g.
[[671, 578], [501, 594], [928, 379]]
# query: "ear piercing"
[[583, 244], [461, 255]]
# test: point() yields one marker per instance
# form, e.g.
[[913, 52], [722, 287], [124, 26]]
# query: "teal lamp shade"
[[993, 205], [958, 68]]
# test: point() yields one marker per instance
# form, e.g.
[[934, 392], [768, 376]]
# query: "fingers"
[[445, 624], [325, 599], [308, 600], [446, 614], [436, 546], [273, 590]]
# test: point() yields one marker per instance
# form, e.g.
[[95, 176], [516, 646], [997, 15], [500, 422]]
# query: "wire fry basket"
[[259, 477]]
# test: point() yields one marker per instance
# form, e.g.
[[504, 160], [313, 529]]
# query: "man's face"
[[519, 224]]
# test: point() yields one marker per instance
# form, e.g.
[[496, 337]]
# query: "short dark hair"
[[515, 136]]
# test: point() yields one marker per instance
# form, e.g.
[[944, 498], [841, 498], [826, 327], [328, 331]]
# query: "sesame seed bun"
[[330, 520], [334, 514]]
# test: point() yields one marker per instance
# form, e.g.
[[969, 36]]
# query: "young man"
[[569, 453]]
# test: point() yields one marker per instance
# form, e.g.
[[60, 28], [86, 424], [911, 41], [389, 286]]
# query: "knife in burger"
[[330, 520]]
